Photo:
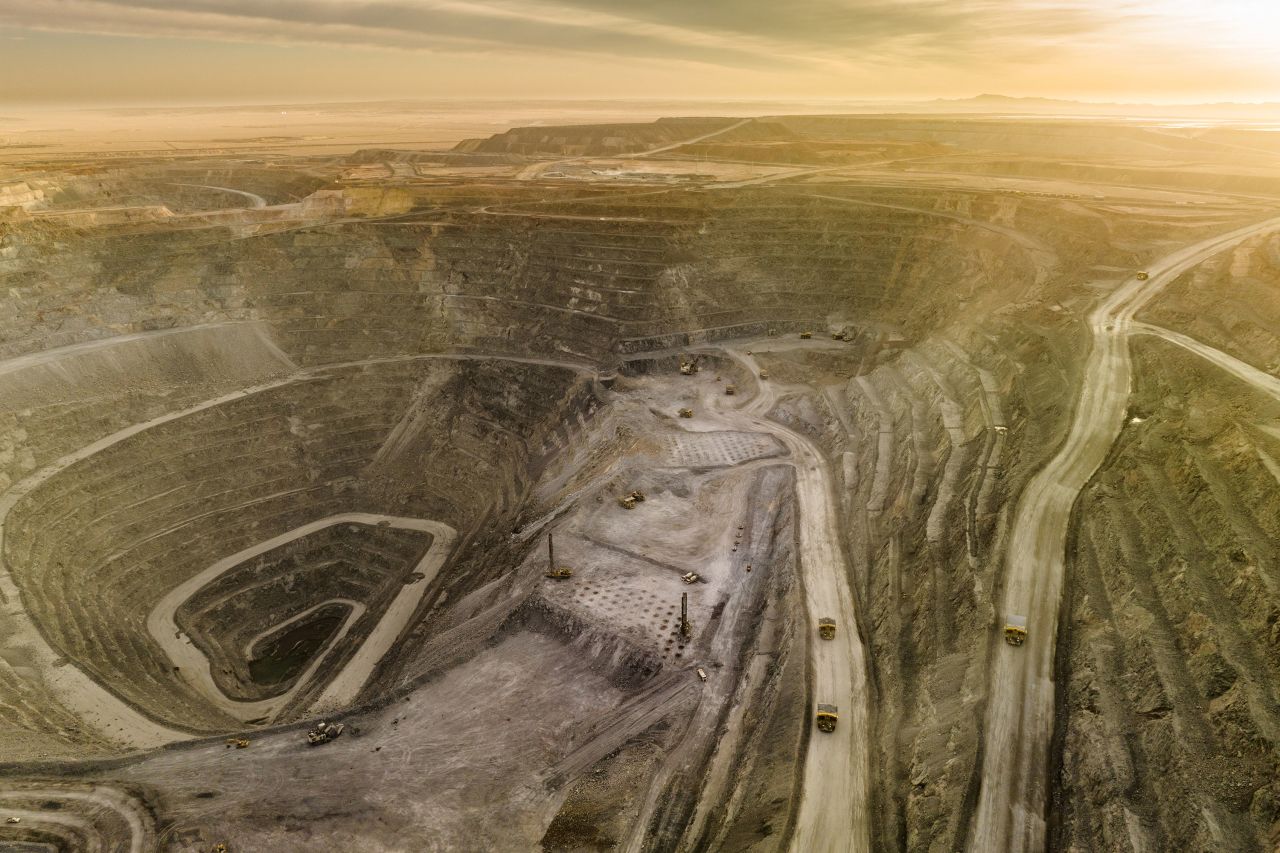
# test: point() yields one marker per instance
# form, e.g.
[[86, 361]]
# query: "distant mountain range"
[[1007, 105]]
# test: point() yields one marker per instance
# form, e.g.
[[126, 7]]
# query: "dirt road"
[[535, 170], [1247, 373], [254, 199], [1014, 778], [835, 799]]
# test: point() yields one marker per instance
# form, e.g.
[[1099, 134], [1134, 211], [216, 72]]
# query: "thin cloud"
[[730, 33]]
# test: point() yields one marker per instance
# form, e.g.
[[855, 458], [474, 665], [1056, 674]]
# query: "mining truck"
[[324, 732], [1015, 630], [764, 374], [560, 573], [826, 717], [1143, 276], [827, 628], [686, 413], [804, 336], [629, 501], [731, 390]]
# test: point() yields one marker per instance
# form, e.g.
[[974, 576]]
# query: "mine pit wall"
[[481, 584], [1170, 717], [626, 665], [97, 543], [55, 403], [566, 280], [762, 731]]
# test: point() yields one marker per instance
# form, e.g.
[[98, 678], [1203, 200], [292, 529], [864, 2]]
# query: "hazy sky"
[[148, 51]]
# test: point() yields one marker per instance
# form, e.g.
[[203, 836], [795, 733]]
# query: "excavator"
[[688, 366]]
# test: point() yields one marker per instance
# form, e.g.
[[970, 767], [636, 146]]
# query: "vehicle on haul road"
[[325, 732], [827, 628], [826, 717], [1015, 630]]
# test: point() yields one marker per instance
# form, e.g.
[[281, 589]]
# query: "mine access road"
[[834, 813], [1010, 814]]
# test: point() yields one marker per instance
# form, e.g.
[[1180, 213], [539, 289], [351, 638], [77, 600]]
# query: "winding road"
[[1014, 778], [1245, 372], [834, 813]]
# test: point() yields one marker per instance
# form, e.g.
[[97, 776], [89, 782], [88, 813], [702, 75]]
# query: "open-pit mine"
[[796, 484]]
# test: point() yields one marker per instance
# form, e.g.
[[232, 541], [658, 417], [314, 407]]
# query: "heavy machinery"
[[686, 413], [552, 572], [688, 366], [731, 390], [702, 673], [324, 732], [1015, 630], [827, 628], [237, 742], [689, 577], [686, 627], [804, 336], [1143, 276], [772, 333], [764, 374], [629, 500], [219, 848], [826, 717]]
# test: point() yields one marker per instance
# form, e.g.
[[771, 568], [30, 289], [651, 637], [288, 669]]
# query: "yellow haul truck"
[[1015, 630], [826, 717], [827, 628]]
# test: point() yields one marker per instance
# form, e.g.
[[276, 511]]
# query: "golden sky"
[[88, 52]]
